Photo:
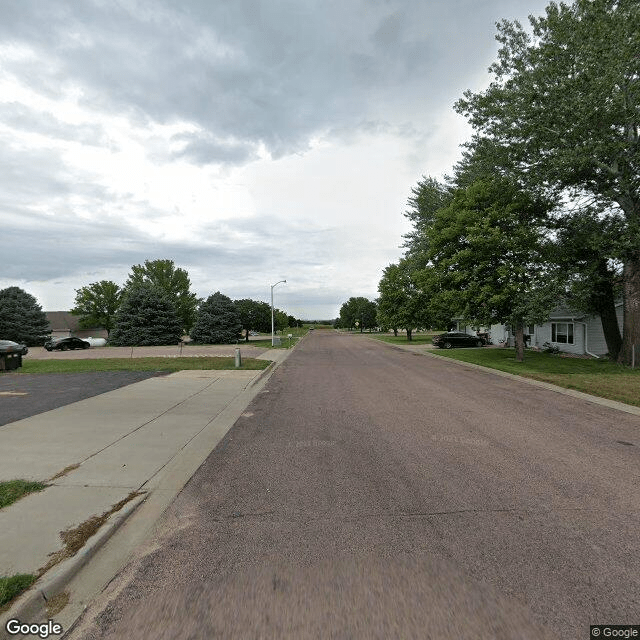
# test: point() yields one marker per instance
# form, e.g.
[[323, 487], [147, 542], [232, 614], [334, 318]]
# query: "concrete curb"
[[32, 604], [612, 404]]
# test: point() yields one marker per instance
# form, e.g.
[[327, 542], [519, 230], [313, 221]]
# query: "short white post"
[[238, 358]]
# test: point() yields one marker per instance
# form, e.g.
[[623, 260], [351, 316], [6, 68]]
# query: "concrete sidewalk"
[[102, 458]]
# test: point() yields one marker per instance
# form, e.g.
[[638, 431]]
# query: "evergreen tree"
[[146, 316], [21, 317], [217, 322], [173, 281]]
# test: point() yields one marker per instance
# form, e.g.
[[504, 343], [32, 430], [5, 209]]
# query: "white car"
[[96, 342]]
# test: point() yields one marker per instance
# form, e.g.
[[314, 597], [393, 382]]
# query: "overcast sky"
[[247, 141]]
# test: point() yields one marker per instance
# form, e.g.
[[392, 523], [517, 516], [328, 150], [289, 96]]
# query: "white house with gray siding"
[[574, 332], [570, 331]]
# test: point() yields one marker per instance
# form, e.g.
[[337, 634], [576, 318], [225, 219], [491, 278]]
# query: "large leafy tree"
[[489, 257], [426, 198], [564, 109], [254, 315], [97, 304], [402, 303], [217, 322], [173, 281], [586, 250], [147, 316], [358, 309], [280, 320], [21, 317]]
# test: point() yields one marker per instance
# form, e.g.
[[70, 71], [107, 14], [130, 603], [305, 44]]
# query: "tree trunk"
[[409, 335], [631, 297], [246, 336], [630, 204], [609, 319], [395, 333], [520, 342]]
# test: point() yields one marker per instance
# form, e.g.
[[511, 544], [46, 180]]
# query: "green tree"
[[254, 315], [564, 108], [360, 310], [97, 304], [146, 316], [586, 250], [21, 317], [427, 197], [280, 320], [489, 256], [217, 322], [174, 282], [402, 303]]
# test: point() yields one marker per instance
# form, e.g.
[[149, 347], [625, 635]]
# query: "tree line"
[[544, 206], [155, 306]]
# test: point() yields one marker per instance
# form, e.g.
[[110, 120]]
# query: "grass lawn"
[[424, 337], [136, 364], [285, 343], [12, 490], [598, 377], [13, 586]]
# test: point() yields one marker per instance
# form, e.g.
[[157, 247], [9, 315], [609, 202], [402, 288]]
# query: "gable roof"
[[64, 321]]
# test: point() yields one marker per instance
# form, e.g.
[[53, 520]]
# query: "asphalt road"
[[369, 492]]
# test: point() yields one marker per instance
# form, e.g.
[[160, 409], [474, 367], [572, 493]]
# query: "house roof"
[[563, 312], [62, 320]]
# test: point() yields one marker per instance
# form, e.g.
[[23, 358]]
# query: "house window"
[[562, 332]]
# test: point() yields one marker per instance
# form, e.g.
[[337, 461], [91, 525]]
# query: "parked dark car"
[[64, 344], [457, 339], [14, 346]]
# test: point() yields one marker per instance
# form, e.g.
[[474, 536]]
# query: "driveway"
[[25, 395]]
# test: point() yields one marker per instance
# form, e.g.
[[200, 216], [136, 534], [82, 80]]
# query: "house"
[[64, 324], [570, 331], [574, 332]]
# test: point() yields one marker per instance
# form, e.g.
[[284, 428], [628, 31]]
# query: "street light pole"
[[272, 333]]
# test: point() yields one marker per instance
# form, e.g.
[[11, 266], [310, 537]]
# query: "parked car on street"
[[64, 344], [457, 339], [10, 345]]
